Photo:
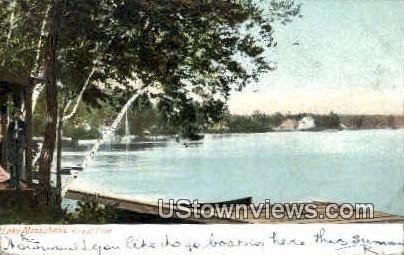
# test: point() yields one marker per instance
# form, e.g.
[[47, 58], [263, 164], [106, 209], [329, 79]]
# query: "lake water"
[[346, 166]]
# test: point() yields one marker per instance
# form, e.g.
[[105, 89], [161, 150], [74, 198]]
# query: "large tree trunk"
[[58, 194], [51, 77]]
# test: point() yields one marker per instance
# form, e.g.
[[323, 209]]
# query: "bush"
[[91, 213]]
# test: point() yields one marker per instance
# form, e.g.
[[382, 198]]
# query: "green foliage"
[[188, 55], [85, 213], [43, 215], [86, 124], [257, 122], [331, 121], [91, 213], [20, 21]]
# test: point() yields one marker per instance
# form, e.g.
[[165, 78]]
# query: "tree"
[[187, 55], [51, 71], [21, 21]]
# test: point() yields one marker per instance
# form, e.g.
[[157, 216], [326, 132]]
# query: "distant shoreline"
[[151, 141], [261, 122], [254, 123]]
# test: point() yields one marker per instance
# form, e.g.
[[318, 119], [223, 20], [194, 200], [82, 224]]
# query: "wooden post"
[[3, 124]]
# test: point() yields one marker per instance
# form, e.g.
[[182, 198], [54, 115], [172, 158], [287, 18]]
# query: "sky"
[[349, 60]]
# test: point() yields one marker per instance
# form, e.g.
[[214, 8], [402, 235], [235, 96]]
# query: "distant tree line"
[[263, 122], [372, 121], [145, 120]]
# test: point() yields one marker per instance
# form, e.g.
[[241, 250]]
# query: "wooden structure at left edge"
[[16, 107]]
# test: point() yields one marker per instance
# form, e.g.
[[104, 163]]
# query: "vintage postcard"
[[201, 127]]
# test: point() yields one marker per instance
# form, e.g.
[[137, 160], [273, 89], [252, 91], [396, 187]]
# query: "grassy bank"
[[85, 213]]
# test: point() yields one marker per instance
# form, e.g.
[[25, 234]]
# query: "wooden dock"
[[139, 211], [142, 208]]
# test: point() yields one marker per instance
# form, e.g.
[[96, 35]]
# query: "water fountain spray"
[[107, 134]]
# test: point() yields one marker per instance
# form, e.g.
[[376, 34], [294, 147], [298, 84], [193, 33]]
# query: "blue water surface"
[[345, 166]]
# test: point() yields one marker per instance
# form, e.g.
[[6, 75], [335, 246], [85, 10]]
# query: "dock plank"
[[151, 208]]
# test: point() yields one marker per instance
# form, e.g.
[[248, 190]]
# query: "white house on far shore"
[[306, 123], [287, 125]]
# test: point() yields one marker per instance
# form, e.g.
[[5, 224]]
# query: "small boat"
[[194, 136], [189, 137], [73, 168], [69, 170]]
